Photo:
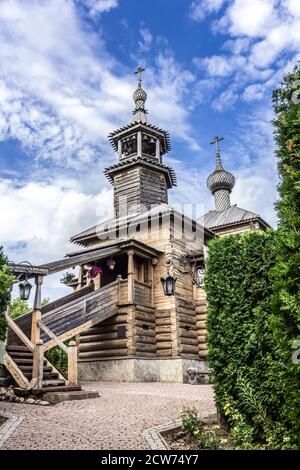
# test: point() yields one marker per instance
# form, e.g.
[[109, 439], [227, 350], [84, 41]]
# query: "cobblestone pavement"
[[115, 420]]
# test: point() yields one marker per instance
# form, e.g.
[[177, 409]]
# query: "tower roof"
[[220, 178], [140, 121]]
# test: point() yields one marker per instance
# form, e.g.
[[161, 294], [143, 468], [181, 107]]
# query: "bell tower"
[[140, 178]]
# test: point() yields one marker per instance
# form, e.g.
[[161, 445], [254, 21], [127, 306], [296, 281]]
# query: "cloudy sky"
[[66, 81]]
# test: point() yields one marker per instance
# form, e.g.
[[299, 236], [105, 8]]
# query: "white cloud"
[[199, 9], [40, 218], [61, 93], [147, 37], [264, 36], [97, 7]]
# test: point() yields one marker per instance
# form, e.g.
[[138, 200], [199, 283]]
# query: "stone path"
[[116, 420]]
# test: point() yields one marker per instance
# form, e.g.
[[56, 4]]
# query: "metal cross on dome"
[[216, 141], [138, 72]]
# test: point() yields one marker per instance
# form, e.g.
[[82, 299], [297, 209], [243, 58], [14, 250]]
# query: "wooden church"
[[138, 309]]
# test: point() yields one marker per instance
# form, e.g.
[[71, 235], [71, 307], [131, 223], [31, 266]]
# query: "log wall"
[[103, 341]]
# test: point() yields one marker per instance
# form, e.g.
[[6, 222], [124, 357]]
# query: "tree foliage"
[[253, 289], [6, 280]]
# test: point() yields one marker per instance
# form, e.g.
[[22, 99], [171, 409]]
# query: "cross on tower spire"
[[216, 141], [138, 72]]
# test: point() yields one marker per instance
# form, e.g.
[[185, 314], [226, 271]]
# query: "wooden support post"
[[139, 143], [36, 314], [72, 364], [152, 263], [157, 149], [120, 149], [38, 364], [130, 275]]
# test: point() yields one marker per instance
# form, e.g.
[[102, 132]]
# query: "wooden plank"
[[16, 373], [12, 324]]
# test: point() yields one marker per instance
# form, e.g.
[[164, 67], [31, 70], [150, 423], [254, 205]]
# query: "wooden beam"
[[19, 333]]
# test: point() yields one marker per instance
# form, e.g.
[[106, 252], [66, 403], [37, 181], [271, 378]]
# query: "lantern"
[[25, 288], [168, 283], [200, 274], [111, 264]]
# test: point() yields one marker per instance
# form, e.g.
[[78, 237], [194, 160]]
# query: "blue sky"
[[66, 81]]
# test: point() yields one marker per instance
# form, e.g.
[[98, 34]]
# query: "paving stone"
[[116, 420]]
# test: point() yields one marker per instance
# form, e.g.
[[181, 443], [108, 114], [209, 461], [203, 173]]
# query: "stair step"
[[25, 361], [50, 376], [53, 383], [29, 368], [62, 388], [27, 355], [17, 348]]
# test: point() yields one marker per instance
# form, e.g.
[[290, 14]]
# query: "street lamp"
[[22, 269], [24, 289], [169, 281]]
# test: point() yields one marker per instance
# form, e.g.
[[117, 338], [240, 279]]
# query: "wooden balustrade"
[[142, 293]]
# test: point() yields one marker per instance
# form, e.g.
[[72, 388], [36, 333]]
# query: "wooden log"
[[201, 317], [163, 329], [163, 314], [95, 338], [202, 339], [187, 333], [143, 332], [164, 337], [202, 347], [190, 313], [164, 352], [144, 354], [146, 339], [163, 321], [146, 309], [201, 324], [189, 349], [189, 341], [104, 353], [164, 345], [110, 344], [145, 316], [203, 354], [201, 308], [145, 347]]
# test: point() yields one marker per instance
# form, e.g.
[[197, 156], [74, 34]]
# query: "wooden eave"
[[169, 172], [208, 234], [126, 130], [96, 254], [33, 271]]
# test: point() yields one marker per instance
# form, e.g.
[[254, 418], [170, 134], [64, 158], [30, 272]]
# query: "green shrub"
[[192, 425], [249, 376]]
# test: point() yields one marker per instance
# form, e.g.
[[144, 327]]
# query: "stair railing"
[[70, 350]]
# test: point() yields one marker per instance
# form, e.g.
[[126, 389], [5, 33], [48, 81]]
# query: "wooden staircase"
[[52, 380], [59, 321]]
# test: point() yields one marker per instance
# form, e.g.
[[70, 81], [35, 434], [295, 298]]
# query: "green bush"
[[249, 376], [192, 425]]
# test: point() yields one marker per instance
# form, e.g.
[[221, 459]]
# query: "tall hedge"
[[243, 351], [286, 318], [253, 289]]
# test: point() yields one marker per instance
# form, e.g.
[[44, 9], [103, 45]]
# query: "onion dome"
[[220, 178], [139, 98]]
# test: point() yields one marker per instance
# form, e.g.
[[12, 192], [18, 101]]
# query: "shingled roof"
[[231, 216]]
